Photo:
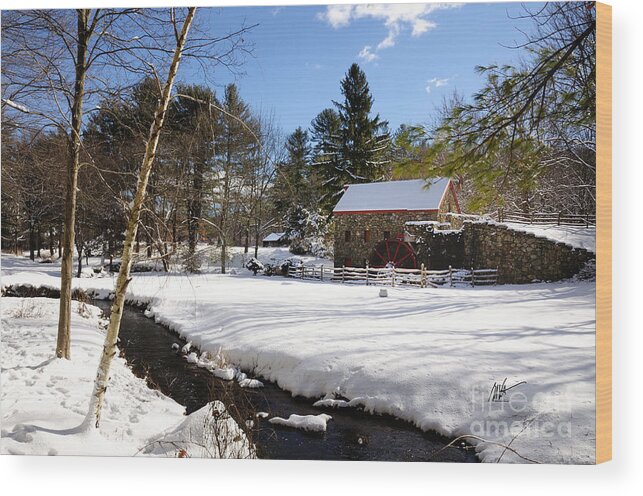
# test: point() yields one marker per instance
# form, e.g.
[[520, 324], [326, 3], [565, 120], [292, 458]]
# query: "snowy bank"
[[428, 356], [210, 432], [44, 400]]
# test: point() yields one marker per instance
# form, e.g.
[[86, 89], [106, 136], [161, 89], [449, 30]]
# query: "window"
[[347, 236], [387, 234], [367, 235]]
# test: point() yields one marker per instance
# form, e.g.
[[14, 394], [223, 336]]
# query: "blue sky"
[[413, 55]]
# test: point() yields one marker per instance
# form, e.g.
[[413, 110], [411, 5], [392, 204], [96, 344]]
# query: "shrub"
[[254, 266]]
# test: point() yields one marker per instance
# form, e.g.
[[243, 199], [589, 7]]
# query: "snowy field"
[[429, 356], [44, 401]]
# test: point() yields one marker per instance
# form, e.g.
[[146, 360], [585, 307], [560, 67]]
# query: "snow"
[[15, 105], [251, 383], [576, 236], [415, 194], [331, 403], [426, 223], [274, 236], [209, 432], [314, 423], [429, 356], [225, 374], [44, 400]]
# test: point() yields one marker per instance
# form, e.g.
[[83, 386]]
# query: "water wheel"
[[391, 251]]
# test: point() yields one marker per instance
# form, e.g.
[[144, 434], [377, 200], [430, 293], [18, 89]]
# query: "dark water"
[[351, 434]]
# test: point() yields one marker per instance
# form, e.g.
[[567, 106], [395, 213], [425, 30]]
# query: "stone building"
[[371, 219]]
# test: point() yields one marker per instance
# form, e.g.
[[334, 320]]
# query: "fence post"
[[393, 278], [367, 272], [450, 276], [559, 215], [343, 270], [321, 273], [473, 277], [422, 276]]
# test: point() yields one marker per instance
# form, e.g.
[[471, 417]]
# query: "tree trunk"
[[16, 236], [38, 240], [80, 261], [224, 253], [102, 253], [257, 241], [51, 242], [63, 344], [32, 241], [123, 279]]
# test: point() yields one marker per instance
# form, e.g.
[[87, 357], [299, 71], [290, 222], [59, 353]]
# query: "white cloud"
[[367, 55], [395, 17], [337, 16], [436, 83]]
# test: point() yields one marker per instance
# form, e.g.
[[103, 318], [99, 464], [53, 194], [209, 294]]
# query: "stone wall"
[[520, 257], [437, 250], [356, 250]]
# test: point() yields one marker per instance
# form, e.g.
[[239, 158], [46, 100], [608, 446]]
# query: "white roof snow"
[[274, 236], [414, 194]]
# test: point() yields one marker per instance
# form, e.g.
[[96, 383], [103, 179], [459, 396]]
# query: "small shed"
[[275, 239]]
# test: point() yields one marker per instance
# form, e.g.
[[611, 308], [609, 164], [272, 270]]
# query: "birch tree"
[[50, 54], [123, 279]]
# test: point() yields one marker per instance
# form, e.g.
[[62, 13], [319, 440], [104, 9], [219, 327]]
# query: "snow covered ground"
[[576, 236], [429, 356], [44, 400]]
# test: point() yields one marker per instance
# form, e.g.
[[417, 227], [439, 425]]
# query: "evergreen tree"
[[293, 186], [351, 145], [364, 139], [325, 134], [196, 128]]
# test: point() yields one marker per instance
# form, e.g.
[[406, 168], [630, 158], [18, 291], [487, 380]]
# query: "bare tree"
[[109, 348], [50, 54]]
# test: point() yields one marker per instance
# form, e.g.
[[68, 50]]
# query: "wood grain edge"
[[603, 232]]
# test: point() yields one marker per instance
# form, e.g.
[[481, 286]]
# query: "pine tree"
[[325, 134], [351, 145], [196, 128], [364, 139], [293, 181]]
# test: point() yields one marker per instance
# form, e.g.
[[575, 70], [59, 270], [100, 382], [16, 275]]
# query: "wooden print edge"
[[603, 232]]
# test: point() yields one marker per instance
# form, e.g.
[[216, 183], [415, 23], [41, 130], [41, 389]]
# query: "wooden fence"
[[396, 277], [547, 218]]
